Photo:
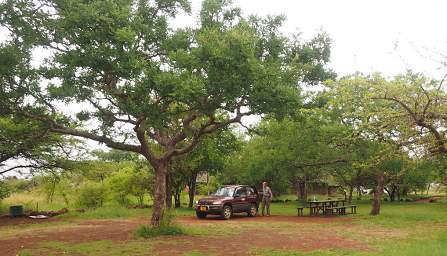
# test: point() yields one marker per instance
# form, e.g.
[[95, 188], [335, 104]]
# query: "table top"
[[327, 201]]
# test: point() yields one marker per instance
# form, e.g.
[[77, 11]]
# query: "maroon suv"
[[228, 200]]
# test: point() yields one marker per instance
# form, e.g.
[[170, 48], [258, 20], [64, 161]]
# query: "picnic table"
[[317, 206], [327, 207]]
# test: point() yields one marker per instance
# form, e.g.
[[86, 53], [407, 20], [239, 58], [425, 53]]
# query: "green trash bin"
[[16, 211]]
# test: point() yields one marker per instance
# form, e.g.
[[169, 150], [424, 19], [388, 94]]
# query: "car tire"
[[201, 215], [227, 212], [253, 211]]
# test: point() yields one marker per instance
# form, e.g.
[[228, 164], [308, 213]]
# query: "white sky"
[[365, 32]]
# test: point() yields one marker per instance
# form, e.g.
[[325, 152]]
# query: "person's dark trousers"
[[266, 203]]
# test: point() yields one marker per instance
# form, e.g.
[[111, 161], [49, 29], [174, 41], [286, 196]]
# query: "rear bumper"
[[210, 209]]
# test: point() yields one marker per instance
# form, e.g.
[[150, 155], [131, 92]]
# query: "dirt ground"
[[8, 221], [300, 234]]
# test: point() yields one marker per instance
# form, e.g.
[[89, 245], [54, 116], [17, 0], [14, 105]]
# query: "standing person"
[[266, 197]]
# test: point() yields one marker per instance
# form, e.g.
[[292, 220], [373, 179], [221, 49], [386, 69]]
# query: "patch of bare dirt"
[[428, 200], [302, 237], [272, 218], [242, 243], [9, 221]]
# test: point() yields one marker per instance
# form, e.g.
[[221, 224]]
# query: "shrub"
[[142, 183], [166, 228], [92, 195], [4, 191], [119, 185], [146, 231]]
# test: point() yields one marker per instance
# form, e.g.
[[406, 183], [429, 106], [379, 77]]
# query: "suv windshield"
[[225, 191]]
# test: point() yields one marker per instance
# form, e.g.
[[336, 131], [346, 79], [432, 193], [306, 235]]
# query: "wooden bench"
[[312, 210], [353, 208], [340, 210]]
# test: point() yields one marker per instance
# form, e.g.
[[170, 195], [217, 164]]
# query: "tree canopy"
[[133, 83]]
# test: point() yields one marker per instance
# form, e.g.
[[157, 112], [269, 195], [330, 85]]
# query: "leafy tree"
[[373, 122], [408, 108], [153, 90]]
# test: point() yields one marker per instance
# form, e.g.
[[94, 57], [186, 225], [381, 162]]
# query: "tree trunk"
[[192, 189], [177, 194], [305, 189], [378, 191], [141, 199], [359, 193], [301, 193], [405, 191], [390, 193], [208, 182], [168, 192], [351, 189], [159, 194]]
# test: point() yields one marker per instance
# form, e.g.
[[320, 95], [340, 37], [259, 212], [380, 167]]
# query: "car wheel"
[[227, 212], [253, 211], [201, 215]]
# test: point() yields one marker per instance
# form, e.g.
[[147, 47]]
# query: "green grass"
[[145, 231], [94, 248], [402, 228]]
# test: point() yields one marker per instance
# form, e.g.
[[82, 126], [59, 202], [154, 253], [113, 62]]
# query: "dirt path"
[[301, 234]]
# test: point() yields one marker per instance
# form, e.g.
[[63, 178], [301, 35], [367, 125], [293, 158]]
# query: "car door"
[[252, 196], [240, 200]]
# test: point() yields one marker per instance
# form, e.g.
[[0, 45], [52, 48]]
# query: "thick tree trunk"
[[192, 189], [159, 194], [168, 192], [378, 191]]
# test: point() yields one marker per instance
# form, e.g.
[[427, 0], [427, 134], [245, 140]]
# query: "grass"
[[145, 231], [94, 248], [402, 228]]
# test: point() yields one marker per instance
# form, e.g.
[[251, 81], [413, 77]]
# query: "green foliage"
[[202, 188], [406, 110], [119, 183], [4, 191], [145, 231], [92, 195], [152, 89], [166, 228]]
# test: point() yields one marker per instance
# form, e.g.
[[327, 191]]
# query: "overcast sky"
[[365, 33]]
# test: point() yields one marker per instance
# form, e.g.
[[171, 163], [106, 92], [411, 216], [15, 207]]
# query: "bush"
[[92, 195], [148, 232], [201, 189], [167, 228], [4, 191]]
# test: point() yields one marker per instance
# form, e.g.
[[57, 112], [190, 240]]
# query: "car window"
[[250, 191], [241, 191], [225, 191]]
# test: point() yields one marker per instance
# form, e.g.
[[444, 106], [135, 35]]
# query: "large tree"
[[115, 72], [399, 116]]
